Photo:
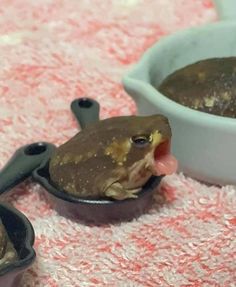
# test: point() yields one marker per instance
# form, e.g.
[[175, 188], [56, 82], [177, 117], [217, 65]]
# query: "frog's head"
[[141, 145]]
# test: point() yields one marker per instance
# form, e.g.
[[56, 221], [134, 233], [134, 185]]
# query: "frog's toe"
[[132, 193], [118, 192]]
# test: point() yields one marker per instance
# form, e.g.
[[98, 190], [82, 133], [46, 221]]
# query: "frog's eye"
[[141, 140]]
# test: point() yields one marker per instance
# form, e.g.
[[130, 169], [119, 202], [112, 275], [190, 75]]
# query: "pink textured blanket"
[[53, 51]]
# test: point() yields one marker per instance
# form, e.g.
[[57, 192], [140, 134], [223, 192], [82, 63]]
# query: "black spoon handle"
[[24, 161], [86, 111]]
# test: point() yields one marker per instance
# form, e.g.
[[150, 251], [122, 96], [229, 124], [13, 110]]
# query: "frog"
[[114, 157], [8, 253]]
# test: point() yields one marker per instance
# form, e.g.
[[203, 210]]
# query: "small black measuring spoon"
[[18, 227], [97, 211], [21, 234]]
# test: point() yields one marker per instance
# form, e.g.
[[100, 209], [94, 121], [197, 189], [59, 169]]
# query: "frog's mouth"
[[163, 163], [158, 162]]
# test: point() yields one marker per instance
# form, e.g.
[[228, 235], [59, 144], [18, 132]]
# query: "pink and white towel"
[[53, 51]]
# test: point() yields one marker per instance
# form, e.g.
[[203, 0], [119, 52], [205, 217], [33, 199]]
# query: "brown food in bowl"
[[8, 253], [208, 86]]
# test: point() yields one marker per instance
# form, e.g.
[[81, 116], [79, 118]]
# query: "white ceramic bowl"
[[204, 144]]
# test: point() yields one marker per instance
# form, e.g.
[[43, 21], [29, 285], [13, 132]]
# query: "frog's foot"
[[117, 191]]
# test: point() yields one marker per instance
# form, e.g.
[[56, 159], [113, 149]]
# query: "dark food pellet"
[[208, 86]]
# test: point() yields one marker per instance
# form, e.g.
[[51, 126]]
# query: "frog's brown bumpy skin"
[[105, 154]]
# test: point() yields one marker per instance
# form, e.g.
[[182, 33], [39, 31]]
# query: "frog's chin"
[[158, 162], [139, 173]]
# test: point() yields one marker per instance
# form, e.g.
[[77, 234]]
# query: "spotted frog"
[[113, 157]]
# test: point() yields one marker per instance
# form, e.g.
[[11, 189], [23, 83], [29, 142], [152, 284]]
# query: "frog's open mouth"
[[158, 162], [164, 162]]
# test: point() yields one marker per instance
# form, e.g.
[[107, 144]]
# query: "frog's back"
[[77, 164]]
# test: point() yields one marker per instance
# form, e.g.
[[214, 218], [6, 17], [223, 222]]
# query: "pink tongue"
[[166, 164]]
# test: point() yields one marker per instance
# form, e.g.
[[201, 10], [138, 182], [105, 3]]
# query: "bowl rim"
[[29, 239], [130, 80]]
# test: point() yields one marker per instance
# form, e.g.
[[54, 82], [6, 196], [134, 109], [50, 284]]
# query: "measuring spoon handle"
[[23, 162], [86, 111]]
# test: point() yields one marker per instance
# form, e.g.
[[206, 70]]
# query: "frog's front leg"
[[117, 191]]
